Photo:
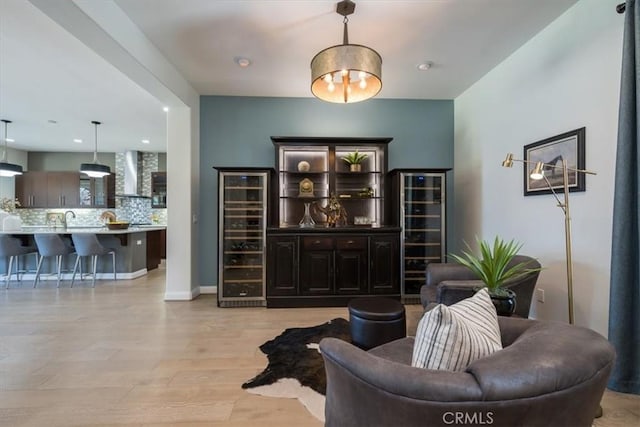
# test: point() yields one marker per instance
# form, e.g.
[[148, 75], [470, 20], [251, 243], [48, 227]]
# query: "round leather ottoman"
[[375, 321]]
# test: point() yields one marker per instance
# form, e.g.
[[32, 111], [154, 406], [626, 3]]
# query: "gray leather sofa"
[[548, 374], [448, 283]]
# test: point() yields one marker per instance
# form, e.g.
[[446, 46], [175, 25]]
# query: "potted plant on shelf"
[[494, 268], [354, 160]]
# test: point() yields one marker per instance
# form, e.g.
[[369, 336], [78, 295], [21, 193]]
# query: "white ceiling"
[[45, 73]]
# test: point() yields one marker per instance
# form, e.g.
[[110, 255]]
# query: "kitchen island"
[[131, 246]]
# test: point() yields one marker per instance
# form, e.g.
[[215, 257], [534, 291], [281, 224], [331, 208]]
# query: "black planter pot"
[[505, 304]]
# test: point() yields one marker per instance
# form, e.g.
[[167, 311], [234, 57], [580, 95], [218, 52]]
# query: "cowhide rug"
[[296, 368]]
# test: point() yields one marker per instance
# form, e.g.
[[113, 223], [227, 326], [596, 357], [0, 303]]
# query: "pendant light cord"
[[95, 150], [4, 152], [345, 32]]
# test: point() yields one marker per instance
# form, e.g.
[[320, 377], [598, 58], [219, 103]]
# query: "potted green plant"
[[494, 268], [354, 160]]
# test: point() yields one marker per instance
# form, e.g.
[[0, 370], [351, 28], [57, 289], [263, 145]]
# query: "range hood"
[[132, 175]]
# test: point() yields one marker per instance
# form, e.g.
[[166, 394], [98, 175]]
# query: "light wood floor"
[[120, 355]]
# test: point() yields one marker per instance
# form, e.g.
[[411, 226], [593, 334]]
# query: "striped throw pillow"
[[451, 337]]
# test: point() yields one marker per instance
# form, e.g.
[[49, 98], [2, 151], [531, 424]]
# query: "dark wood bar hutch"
[[310, 263], [276, 247]]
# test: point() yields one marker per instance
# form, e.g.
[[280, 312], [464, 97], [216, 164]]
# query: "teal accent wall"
[[236, 131]]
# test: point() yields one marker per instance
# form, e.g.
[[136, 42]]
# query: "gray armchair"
[[448, 283], [548, 374]]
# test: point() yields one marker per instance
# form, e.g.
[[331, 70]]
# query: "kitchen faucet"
[[64, 222]]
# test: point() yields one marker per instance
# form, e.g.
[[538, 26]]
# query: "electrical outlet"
[[540, 295]]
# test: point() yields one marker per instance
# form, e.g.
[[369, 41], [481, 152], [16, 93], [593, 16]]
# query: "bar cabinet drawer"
[[325, 243], [352, 243]]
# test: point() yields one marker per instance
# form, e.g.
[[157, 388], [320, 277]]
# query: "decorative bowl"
[[117, 225]]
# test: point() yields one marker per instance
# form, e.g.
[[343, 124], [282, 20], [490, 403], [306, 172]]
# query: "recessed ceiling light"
[[425, 66], [11, 140], [242, 62], [165, 109], [145, 141], [77, 140]]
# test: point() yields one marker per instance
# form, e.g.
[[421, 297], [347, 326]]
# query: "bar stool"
[[12, 247], [51, 245], [87, 244]]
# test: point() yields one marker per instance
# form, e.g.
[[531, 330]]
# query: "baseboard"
[[182, 296], [100, 276], [208, 289]]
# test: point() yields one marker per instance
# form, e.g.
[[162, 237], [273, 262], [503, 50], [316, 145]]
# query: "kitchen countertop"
[[37, 229]]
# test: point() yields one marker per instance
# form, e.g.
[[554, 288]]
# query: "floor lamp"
[[537, 173]]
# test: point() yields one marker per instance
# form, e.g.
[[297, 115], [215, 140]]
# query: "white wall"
[[566, 77], [107, 30]]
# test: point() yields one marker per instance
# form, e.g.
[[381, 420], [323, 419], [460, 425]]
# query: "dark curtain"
[[624, 304]]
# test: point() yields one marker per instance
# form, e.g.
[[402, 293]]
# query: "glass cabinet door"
[[86, 191], [99, 192], [243, 209], [93, 191], [423, 212]]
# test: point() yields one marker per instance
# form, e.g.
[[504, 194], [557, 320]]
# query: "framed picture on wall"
[[552, 151]]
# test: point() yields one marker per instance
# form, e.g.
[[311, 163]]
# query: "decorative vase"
[[303, 166], [505, 304], [355, 167], [307, 220]]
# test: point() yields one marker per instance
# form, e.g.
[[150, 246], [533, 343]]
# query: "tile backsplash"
[[91, 217], [136, 210]]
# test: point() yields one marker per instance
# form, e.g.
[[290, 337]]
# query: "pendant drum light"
[[346, 73], [95, 169], [8, 169]]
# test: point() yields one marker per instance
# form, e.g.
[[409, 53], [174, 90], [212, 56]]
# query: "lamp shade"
[[95, 170], [346, 73], [508, 161], [9, 169], [6, 168], [538, 171]]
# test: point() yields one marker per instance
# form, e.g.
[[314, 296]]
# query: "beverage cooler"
[[419, 204], [243, 215]]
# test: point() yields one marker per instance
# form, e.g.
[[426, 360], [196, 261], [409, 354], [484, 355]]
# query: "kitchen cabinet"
[[31, 189], [40, 189], [243, 216], [63, 189], [97, 192], [158, 189], [154, 242], [419, 199], [311, 269]]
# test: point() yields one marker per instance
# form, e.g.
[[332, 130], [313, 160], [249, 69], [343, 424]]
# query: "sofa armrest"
[[363, 389], [452, 291], [346, 361], [438, 272]]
